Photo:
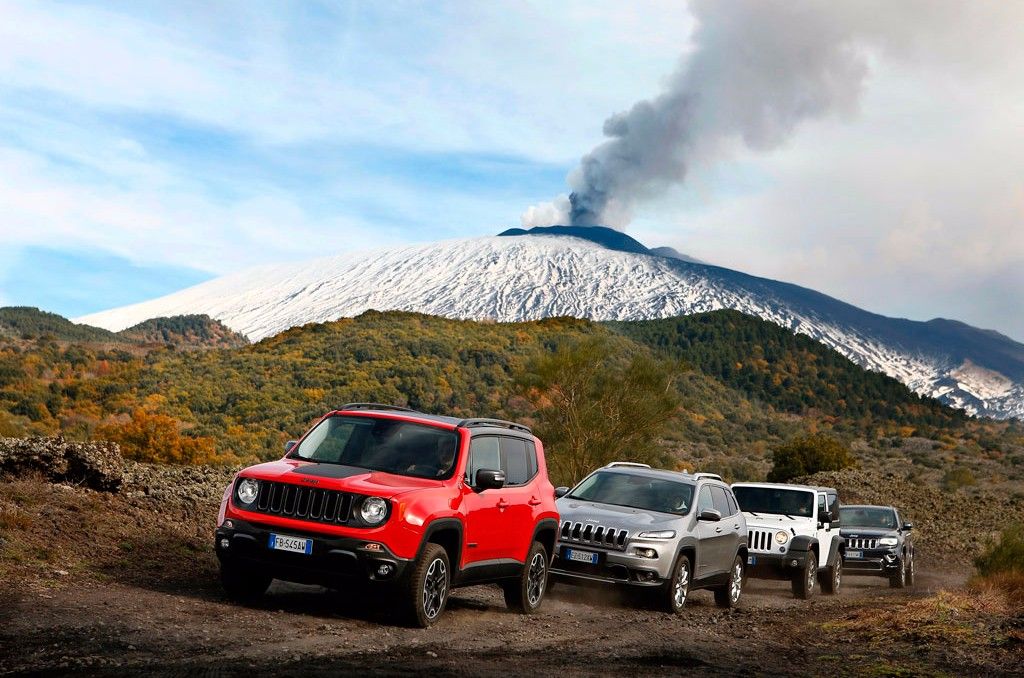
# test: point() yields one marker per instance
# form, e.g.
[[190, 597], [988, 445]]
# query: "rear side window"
[[734, 508], [516, 457], [721, 501]]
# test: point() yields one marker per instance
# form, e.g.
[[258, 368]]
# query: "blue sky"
[[147, 146]]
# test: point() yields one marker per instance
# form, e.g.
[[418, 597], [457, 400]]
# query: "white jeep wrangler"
[[793, 534]]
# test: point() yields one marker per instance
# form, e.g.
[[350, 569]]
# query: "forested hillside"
[[746, 387]]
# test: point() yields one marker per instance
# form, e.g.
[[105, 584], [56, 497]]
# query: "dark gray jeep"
[[878, 543]]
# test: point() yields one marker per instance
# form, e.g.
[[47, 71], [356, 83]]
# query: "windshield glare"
[[387, 445], [637, 491], [866, 516], [776, 500]]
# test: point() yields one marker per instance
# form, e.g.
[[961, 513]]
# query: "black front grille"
[[303, 503]]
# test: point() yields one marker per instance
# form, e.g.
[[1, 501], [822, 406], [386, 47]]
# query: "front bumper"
[[612, 567], [775, 565], [877, 562], [332, 559]]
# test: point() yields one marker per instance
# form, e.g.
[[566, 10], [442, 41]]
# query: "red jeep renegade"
[[418, 502]]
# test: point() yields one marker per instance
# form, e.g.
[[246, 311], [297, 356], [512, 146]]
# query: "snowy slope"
[[533, 276]]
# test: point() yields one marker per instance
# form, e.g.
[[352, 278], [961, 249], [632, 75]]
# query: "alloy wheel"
[[435, 588], [682, 586], [736, 585], [536, 579]]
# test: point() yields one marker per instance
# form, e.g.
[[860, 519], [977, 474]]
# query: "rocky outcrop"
[[97, 465]]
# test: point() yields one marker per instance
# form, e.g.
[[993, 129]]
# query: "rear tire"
[[804, 581], [242, 585], [673, 598], [832, 577], [525, 594], [426, 590], [727, 596]]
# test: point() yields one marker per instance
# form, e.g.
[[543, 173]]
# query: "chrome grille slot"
[[862, 543], [305, 503], [596, 535]]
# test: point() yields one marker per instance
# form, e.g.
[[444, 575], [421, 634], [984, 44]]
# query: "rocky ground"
[[109, 570]]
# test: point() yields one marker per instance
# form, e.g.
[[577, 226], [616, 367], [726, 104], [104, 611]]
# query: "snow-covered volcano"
[[602, 275]]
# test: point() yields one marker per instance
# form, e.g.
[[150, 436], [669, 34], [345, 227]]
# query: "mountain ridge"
[[526, 275]]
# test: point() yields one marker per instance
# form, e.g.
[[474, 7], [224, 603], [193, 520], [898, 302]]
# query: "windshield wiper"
[[753, 514]]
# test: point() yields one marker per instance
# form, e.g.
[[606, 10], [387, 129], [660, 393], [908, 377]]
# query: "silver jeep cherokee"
[[672, 532]]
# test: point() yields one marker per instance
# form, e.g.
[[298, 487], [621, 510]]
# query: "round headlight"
[[373, 510], [247, 491], [781, 537]]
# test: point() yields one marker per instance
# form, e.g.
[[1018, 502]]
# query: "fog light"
[[225, 543], [384, 569], [373, 546], [228, 524], [646, 553], [793, 563]]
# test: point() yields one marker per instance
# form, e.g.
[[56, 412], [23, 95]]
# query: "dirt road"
[[113, 628]]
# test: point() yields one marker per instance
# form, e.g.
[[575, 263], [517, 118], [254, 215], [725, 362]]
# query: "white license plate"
[[854, 554], [282, 542], [581, 556], [751, 560]]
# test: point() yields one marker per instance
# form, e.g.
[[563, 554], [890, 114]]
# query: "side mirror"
[[561, 492], [908, 526], [710, 515], [289, 445], [825, 517], [488, 479]]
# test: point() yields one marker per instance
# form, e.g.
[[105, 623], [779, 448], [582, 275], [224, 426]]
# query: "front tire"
[[525, 594], [242, 585], [674, 596], [832, 577], [899, 580], [804, 581], [426, 590], [727, 596]]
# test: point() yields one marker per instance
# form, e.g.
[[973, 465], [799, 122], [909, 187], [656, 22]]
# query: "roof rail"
[[497, 423], [634, 464], [374, 406], [713, 476]]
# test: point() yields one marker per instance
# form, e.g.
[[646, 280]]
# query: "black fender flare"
[[837, 550], [437, 525], [542, 525], [803, 542], [688, 543]]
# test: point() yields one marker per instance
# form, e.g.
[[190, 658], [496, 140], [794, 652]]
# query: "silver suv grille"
[[862, 543], [596, 535], [760, 540]]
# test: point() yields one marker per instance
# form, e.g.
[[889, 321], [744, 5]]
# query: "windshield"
[[868, 516], [636, 491], [387, 445], [777, 500]]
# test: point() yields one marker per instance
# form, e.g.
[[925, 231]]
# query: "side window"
[[833, 507], [704, 499], [821, 506], [734, 507], [518, 460], [483, 454], [720, 500]]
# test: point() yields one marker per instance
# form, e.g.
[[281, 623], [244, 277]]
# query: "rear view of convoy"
[[408, 506]]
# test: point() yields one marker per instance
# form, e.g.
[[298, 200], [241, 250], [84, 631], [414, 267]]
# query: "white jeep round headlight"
[[373, 510], [781, 537], [247, 491]]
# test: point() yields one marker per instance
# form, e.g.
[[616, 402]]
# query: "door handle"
[[502, 503], [534, 501], [718, 529], [736, 526]]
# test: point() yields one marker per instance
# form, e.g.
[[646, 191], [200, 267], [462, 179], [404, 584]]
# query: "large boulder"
[[97, 465]]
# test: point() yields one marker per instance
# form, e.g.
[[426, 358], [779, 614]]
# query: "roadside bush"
[[806, 455], [956, 478], [1005, 554]]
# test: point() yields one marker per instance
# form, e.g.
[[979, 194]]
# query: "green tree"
[[809, 454], [597, 402]]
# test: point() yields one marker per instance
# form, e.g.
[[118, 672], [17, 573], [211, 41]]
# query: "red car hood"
[[338, 477]]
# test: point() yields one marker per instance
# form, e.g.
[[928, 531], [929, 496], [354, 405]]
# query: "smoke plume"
[[756, 71]]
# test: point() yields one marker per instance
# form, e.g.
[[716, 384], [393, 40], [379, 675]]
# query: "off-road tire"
[[727, 596], [832, 577], [674, 594], [910, 570], [805, 580], [243, 585], [899, 580], [426, 588], [526, 593]]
